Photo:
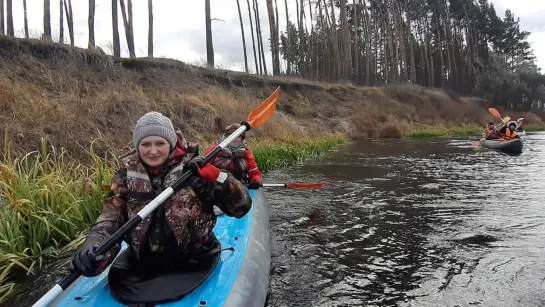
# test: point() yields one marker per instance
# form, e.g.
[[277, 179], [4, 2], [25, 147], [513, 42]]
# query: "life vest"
[[487, 132], [509, 135]]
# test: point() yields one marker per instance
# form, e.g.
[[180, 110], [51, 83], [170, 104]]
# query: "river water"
[[411, 223], [405, 223]]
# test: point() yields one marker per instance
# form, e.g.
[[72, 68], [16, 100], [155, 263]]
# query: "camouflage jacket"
[[183, 224]]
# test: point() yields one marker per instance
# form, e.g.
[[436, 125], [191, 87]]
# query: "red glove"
[[206, 171]]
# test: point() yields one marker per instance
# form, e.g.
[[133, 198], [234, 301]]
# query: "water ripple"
[[411, 223]]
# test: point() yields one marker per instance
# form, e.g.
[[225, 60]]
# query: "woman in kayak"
[[491, 133], [489, 129], [238, 159], [179, 230], [510, 132]]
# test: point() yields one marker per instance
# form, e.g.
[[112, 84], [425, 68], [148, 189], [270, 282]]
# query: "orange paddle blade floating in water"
[[305, 185]]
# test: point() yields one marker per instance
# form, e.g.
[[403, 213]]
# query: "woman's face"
[[236, 142], [154, 150]]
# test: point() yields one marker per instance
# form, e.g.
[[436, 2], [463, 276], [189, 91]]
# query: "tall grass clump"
[[46, 202], [285, 151]]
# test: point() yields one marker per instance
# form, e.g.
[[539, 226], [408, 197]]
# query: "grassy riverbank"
[[50, 200]]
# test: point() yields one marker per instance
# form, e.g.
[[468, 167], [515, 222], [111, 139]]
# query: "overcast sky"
[[180, 30]]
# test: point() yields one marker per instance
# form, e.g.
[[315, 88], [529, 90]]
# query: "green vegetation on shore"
[[49, 200], [270, 155], [533, 128], [442, 131]]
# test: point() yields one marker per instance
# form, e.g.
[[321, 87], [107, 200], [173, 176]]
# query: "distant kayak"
[[237, 276], [512, 147], [521, 133]]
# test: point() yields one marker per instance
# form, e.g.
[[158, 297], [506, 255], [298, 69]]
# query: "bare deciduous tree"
[[115, 30], [209, 43], [69, 19], [150, 28], [274, 38], [25, 18], [47, 19], [91, 23], [61, 22], [257, 66], [10, 18], [126, 13], [243, 38], [2, 20]]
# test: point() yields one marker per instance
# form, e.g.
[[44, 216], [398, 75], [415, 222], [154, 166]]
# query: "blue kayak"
[[240, 278]]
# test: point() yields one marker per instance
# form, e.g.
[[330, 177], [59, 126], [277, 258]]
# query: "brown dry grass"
[[72, 96]]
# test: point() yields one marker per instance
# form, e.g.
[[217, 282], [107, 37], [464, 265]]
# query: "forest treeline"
[[463, 46]]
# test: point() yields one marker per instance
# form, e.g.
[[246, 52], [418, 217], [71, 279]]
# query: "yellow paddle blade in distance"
[[494, 112], [264, 111]]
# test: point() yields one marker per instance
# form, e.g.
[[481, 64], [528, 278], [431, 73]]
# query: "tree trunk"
[[368, 44], [150, 28], [311, 48], [337, 53], [69, 19], [61, 22], [273, 38], [411, 44], [2, 19], [243, 38], [260, 36], [10, 18], [288, 38], [126, 14], [440, 48], [257, 37], [47, 19], [277, 37], [356, 56], [115, 30], [209, 44], [301, 42], [325, 66], [257, 66], [25, 19], [91, 22], [346, 43]]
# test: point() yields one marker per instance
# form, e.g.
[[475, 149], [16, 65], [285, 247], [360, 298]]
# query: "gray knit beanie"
[[154, 124]]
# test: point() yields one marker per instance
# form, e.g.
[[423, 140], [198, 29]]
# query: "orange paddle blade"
[[264, 111], [305, 185], [494, 112]]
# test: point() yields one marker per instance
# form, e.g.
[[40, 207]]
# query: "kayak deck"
[[217, 288]]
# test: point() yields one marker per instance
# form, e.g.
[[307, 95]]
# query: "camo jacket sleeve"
[[112, 217], [231, 196]]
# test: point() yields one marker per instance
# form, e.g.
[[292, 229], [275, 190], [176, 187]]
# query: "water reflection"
[[411, 223]]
